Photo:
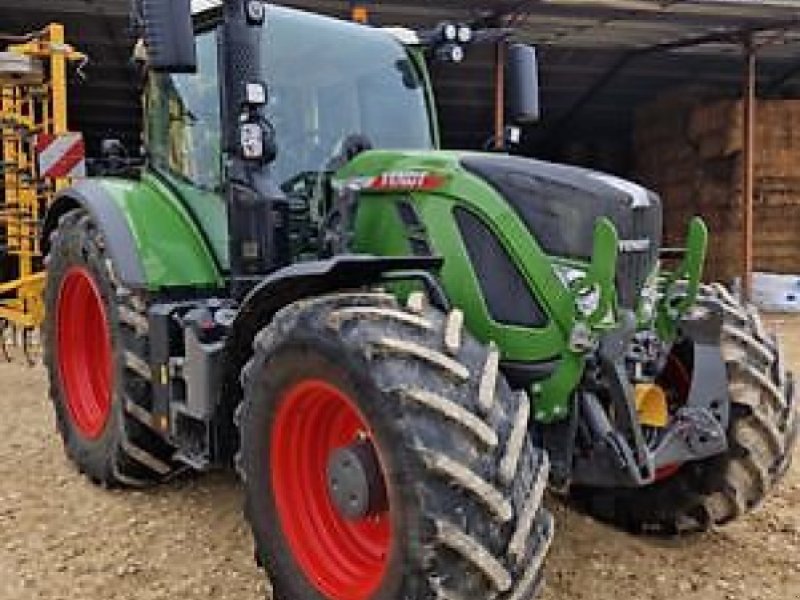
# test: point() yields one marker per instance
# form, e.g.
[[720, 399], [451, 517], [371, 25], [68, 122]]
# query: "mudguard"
[[308, 279], [153, 241], [304, 280]]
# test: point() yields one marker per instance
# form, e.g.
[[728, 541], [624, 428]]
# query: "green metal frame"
[[679, 288]]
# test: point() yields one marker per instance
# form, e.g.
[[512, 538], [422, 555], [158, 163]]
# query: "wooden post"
[[748, 167], [500, 97]]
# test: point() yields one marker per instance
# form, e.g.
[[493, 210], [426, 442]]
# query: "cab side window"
[[183, 125]]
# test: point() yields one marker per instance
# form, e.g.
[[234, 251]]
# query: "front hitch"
[[620, 454], [699, 427]]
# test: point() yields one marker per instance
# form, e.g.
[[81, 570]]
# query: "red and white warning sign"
[[61, 155]]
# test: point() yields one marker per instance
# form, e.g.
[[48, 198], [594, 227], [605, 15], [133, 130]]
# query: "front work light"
[[448, 32], [450, 53], [465, 34]]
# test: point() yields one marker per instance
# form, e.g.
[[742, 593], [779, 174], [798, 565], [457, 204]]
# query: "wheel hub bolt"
[[355, 483]]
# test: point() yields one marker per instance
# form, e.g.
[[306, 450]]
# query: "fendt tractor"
[[399, 348]]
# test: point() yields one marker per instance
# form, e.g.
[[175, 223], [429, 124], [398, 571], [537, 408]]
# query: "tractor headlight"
[[589, 301], [252, 141], [649, 301], [586, 300]]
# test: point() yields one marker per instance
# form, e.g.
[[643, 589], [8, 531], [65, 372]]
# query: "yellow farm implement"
[[38, 157]]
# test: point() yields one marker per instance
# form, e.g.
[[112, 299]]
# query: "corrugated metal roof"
[[636, 24]]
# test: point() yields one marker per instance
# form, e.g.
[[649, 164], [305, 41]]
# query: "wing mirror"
[[169, 36], [522, 85]]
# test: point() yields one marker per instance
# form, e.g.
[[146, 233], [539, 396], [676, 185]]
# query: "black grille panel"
[[505, 291]]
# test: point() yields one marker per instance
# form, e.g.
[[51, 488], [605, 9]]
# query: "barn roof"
[[600, 58]]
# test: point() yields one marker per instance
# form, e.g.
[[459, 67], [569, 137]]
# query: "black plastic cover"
[[259, 236], [169, 36]]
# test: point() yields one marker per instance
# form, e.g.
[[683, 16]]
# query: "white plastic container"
[[775, 292]]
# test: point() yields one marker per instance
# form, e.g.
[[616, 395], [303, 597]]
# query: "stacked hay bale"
[[688, 147]]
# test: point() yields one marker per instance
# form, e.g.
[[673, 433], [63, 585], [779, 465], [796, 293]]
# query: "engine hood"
[[559, 204]]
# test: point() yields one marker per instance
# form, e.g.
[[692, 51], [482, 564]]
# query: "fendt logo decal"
[[409, 180], [394, 181]]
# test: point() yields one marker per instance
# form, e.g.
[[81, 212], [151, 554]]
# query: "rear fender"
[[109, 218], [151, 239]]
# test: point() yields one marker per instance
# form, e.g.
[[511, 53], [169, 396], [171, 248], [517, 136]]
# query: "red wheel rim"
[[343, 559], [84, 352]]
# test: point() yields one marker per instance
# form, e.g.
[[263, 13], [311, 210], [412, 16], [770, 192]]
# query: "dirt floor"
[[62, 538]]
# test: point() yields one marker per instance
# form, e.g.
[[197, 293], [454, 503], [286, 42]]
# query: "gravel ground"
[[62, 538]]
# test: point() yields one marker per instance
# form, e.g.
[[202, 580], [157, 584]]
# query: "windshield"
[[329, 80]]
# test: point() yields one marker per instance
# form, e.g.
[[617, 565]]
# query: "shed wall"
[[689, 148]]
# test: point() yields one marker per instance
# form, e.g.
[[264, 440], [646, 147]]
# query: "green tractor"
[[275, 290]]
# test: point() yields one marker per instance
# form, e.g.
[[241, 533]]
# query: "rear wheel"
[[96, 354], [384, 457], [761, 437]]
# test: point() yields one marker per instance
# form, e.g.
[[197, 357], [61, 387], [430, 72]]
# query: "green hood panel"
[[380, 230]]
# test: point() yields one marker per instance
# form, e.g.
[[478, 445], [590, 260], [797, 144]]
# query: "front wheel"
[[384, 457]]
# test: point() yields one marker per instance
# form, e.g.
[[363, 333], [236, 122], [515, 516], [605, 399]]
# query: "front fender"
[[314, 278], [292, 284], [153, 242]]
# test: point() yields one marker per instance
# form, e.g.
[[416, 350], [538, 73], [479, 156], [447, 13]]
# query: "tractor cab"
[[360, 89], [356, 81]]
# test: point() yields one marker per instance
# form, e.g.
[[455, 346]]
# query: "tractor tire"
[[761, 435], [96, 355], [456, 483]]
